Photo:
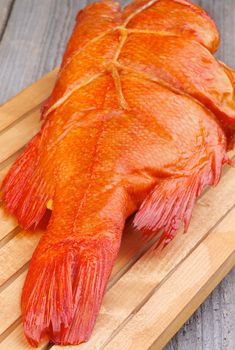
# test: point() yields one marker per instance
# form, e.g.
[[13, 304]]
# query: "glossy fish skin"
[[140, 120]]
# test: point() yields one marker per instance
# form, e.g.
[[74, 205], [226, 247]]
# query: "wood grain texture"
[[34, 41], [5, 14], [33, 37]]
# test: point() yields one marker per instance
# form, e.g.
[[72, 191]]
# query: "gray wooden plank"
[[32, 44], [5, 12], [223, 13], [34, 41]]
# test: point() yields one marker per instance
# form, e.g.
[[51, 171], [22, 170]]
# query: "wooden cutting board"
[[151, 292]]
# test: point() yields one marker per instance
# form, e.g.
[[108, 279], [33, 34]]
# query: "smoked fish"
[[140, 121]]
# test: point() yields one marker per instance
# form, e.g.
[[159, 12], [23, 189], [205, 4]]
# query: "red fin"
[[64, 289], [172, 200], [24, 189]]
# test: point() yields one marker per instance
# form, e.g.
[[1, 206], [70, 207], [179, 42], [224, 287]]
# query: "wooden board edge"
[[27, 100], [194, 304]]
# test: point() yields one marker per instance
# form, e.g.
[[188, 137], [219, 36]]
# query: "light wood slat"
[[16, 253], [16, 342], [29, 99], [8, 224], [165, 310], [10, 303], [16, 137], [3, 172], [5, 166]]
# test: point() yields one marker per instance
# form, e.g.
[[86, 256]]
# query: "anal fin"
[[172, 200]]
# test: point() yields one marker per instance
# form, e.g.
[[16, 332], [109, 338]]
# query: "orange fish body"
[[140, 119]]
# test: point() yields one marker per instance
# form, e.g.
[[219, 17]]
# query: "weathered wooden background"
[[33, 34]]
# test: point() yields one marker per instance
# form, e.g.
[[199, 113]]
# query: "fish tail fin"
[[24, 191], [67, 278], [172, 200]]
